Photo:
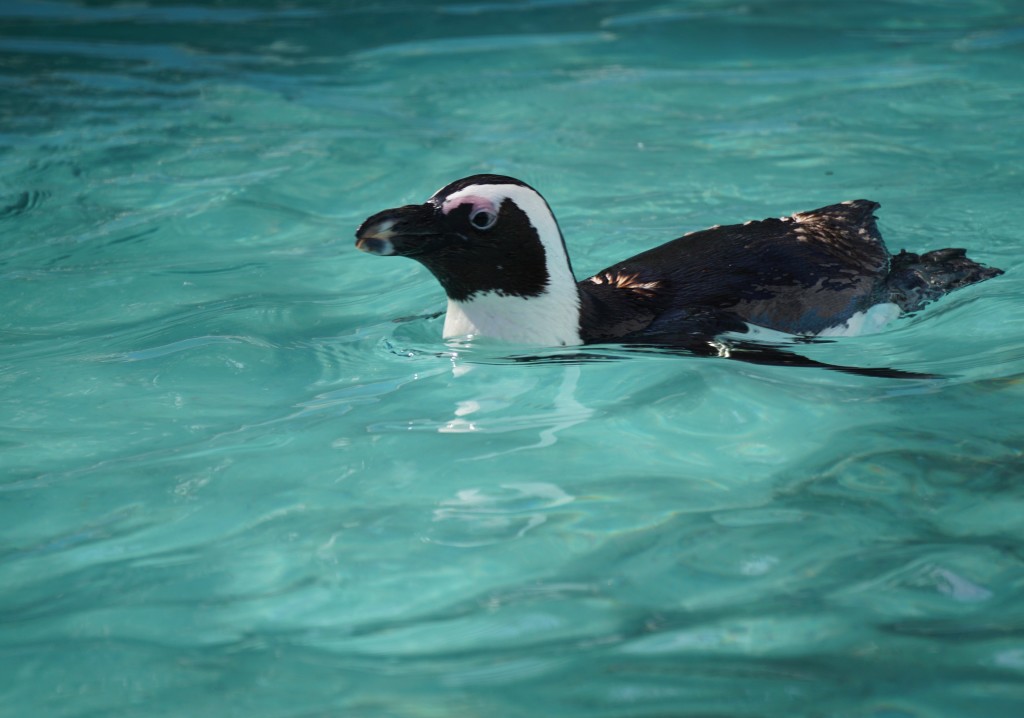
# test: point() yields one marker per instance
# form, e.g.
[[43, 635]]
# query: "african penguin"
[[495, 247]]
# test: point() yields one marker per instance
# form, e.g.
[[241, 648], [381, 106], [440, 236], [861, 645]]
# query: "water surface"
[[242, 475]]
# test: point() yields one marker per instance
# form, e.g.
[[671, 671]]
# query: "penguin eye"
[[483, 219]]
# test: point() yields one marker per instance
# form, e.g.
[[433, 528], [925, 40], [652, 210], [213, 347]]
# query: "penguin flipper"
[[767, 354], [745, 351]]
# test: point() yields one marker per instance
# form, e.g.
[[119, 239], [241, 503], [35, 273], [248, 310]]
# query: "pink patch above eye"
[[476, 203]]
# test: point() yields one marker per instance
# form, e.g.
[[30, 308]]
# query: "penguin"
[[495, 247]]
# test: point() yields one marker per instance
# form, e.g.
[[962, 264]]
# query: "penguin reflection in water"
[[495, 247]]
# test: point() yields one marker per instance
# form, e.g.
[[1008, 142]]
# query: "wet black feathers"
[[798, 274]]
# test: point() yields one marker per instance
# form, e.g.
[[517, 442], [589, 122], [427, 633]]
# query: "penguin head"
[[495, 247], [485, 234]]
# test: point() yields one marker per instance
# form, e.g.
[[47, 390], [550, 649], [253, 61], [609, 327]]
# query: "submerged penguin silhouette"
[[495, 247]]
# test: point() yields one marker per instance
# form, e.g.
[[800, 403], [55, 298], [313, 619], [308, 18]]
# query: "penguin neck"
[[551, 318]]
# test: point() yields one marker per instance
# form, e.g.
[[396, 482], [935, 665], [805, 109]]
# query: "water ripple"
[[24, 202], [474, 45]]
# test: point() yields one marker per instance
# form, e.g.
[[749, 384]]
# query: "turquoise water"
[[243, 476]]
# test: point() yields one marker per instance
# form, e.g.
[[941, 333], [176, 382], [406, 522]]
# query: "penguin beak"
[[401, 231]]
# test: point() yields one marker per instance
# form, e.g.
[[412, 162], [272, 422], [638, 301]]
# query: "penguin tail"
[[916, 279]]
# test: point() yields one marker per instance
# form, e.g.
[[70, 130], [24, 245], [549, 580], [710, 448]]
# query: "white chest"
[[547, 320]]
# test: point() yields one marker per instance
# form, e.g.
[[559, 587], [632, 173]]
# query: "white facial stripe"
[[477, 202]]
